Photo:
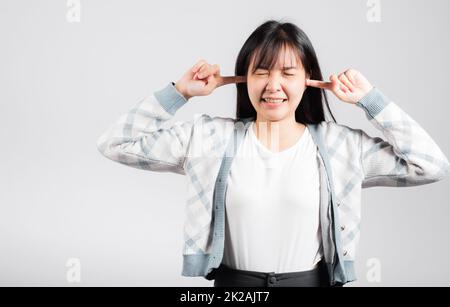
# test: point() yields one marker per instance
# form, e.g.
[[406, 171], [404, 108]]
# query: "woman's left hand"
[[350, 86]]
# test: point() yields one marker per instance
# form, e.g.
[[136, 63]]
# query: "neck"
[[279, 134]]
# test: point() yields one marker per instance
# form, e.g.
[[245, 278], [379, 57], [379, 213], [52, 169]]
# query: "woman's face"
[[286, 81]]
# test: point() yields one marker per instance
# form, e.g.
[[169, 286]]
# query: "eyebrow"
[[284, 68]]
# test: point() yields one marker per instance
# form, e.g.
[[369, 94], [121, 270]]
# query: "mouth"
[[273, 102]]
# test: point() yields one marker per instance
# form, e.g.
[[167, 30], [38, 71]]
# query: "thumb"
[[211, 84]]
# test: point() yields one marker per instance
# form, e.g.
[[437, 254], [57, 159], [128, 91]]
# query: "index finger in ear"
[[320, 84], [231, 79]]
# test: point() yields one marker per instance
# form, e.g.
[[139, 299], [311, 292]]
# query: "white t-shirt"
[[272, 207]]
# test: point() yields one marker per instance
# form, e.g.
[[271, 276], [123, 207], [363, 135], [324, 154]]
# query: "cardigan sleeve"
[[138, 138], [407, 156]]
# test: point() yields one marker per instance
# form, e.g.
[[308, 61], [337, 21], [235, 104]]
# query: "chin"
[[273, 116]]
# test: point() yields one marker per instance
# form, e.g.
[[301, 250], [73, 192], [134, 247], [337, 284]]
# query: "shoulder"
[[214, 125], [331, 131]]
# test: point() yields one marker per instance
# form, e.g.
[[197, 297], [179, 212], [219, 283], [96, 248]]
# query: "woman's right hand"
[[202, 79]]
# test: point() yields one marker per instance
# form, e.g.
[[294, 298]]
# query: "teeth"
[[273, 100]]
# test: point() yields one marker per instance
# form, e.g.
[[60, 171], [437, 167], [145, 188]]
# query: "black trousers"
[[229, 277]]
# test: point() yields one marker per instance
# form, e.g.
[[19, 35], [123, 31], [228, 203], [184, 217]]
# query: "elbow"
[[104, 147], [101, 145], [425, 175], [445, 171], [439, 174]]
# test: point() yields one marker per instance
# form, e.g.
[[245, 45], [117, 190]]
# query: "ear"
[[308, 75]]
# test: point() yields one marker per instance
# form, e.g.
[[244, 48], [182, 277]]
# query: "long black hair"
[[264, 44]]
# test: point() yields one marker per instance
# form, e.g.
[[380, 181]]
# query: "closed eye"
[[261, 74]]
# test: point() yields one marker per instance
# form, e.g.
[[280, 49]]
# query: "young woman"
[[274, 194]]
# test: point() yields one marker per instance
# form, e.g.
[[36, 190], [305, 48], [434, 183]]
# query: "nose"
[[273, 84]]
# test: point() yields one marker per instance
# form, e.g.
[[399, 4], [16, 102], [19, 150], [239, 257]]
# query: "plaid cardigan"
[[203, 149]]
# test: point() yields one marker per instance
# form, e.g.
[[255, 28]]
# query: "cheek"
[[295, 91], [298, 82], [255, 90]]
